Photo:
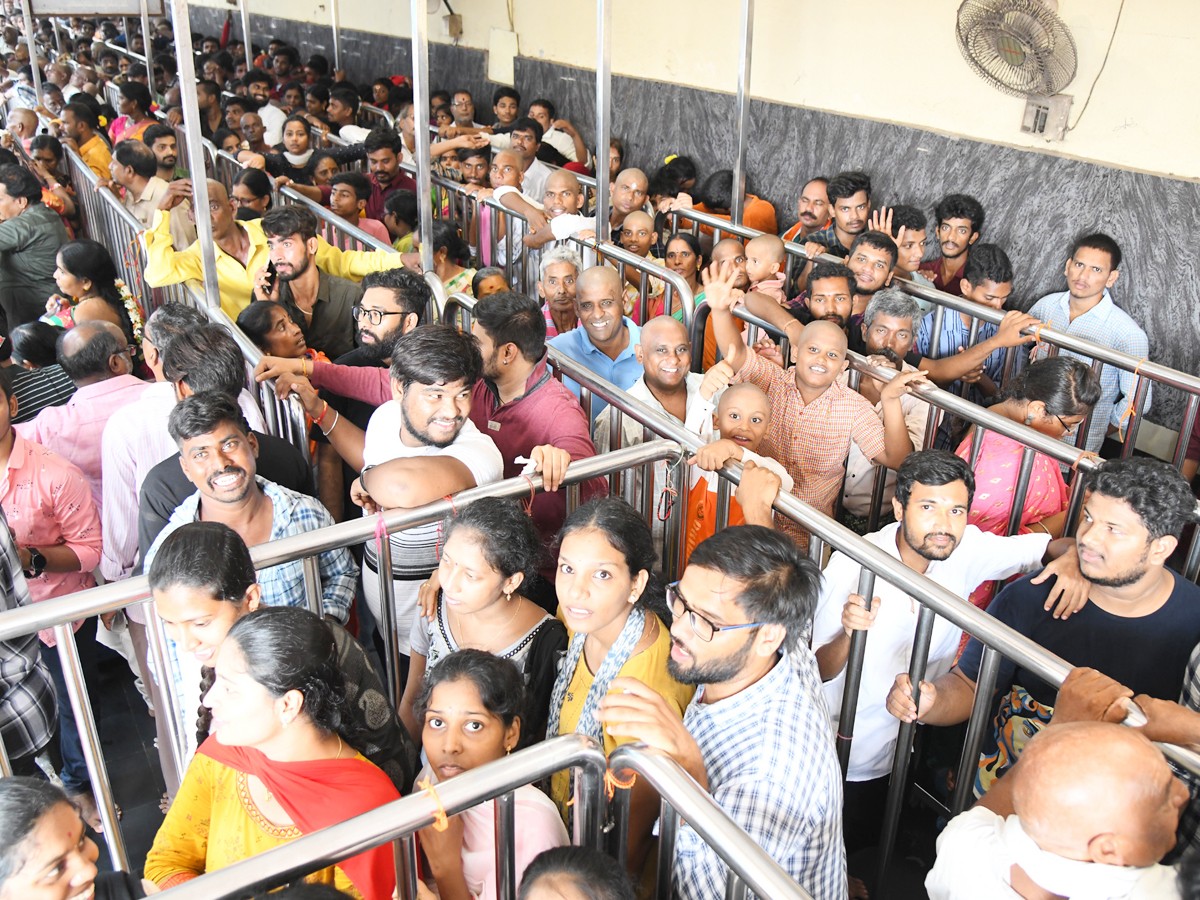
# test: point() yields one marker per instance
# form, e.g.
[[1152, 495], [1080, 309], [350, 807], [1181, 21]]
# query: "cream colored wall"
[[871, 58]]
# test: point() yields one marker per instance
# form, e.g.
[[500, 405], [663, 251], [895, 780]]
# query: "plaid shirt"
[[283, 585], [768, 751], [1189, 821], [1107, 324], [813, 441], [27, 706], [828, 237]]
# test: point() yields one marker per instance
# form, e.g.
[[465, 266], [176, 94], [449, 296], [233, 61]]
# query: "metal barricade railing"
[[683, 800], [59, 612], [225, 166], [999, 639], [507, 250], [399, 821], [674, 284], [1097, 355], [372, 117]]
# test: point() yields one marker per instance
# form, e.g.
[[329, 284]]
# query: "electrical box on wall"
[[1047, 115], [452, 26]]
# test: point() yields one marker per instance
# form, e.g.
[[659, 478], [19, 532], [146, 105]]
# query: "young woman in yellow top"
[[608, 597]]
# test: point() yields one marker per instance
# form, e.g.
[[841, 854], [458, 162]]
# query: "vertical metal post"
[[337, 37], [618, 835], [27, 14], [603, 114], [742, 112], [170, 702], [668, 828], [312, 585], [853, 682], [735, 888], [904, 742], [589, 809], [387, 620], [981, 717], [1185, 429], [1140, 390], [406, 866], [77, 693], [244, 9], [420, 68], [1020, 491], [147, 49], [5, 764], [506, 848], [195, 147]]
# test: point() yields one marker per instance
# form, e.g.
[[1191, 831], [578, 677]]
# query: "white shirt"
[[860, 471], [977, 850], [353, 134], [415, 550], [534, 181], [979, 557], [272, 118]]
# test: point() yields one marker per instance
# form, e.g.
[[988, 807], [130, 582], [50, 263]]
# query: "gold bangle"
[[304, 366], [1033, 525]]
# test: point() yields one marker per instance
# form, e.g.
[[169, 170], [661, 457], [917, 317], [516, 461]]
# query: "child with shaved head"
[[765, 256]]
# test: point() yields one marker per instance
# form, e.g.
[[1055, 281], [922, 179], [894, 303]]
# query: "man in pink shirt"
[[96, 357], [56, 528]]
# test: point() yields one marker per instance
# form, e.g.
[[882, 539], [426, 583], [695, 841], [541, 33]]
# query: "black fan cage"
[[1018, 46]]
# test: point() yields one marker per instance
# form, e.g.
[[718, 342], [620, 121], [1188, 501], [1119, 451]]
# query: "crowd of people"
[[132, 445]]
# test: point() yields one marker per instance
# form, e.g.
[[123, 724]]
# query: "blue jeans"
[[70, 762]]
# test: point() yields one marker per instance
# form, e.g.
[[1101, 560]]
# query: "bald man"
[[606, 340], [814, 417], [95, 356], [667, 384], [1055, 827], [22, 125], [562, 202], [241, 250]]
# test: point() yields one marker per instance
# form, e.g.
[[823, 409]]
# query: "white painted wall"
[[871, 58]]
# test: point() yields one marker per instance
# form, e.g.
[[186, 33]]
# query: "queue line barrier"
[[1097, 355]]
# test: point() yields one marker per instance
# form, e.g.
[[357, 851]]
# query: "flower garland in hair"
[[133, 308]]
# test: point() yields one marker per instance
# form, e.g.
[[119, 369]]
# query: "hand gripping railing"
[[103, 599], [683, 799], [675, 284], [949, 403], [999, 639], [372, 117], [401, 819], [1100, 355]]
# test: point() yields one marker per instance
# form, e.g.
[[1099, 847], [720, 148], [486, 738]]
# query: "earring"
[[1028, 419], [507, 751]]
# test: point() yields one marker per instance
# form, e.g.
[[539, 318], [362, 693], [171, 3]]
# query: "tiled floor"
[[127, 739]]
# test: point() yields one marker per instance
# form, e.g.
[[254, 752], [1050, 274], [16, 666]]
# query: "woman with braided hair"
[[203, 582], [280, 762]]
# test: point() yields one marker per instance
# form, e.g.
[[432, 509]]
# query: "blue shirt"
[[954, 335], [769, 755], [622, 371], [1107, 324]]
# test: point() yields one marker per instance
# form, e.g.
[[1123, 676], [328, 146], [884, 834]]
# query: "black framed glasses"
[[701, 627], [1068, 430], [374, 316]]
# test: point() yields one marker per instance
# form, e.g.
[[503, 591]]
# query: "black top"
[[331, 329], [1148, 654], [166, 486], [118, 886], [35, 389]]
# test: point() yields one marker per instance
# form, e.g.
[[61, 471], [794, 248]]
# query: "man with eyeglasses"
[[393, 304], [754, 735], [318, 302], [931, 536]]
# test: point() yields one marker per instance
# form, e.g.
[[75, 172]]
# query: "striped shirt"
[[35, 389], [27, 705], [812, 441], [769, 755], [1107, 324]]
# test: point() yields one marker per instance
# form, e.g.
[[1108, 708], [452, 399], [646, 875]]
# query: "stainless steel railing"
[[683, 800], [1098, 354], [999, 639], [400, 820]]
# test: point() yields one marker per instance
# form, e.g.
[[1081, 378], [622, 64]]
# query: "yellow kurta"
[[648, 667], [166, 265], [214, 823]]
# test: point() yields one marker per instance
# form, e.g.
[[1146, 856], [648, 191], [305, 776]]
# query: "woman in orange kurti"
[[1052, 396], [279, 763]]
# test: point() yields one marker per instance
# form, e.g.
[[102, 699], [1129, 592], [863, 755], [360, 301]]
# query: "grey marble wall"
[[1035, 202]]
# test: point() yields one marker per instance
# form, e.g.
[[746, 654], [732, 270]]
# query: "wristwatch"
[[37, 563]]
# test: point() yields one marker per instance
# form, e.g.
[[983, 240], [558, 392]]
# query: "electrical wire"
[[1103, 63]]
